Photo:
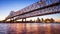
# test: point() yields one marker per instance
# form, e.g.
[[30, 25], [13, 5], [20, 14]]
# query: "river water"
[[29, 28]]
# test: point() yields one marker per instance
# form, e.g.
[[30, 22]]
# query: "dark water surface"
[[29, 28]]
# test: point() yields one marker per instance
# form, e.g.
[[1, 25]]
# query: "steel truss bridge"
[[42, 7]]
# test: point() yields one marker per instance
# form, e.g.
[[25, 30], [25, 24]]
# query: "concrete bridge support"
[[12, 20], [24, 20]]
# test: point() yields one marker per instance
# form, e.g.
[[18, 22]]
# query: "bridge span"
[[43, 7]]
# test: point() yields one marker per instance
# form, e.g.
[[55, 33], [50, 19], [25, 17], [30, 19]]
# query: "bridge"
[[40, 8]]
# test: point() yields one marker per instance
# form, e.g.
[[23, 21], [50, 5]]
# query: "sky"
[[6, 6]]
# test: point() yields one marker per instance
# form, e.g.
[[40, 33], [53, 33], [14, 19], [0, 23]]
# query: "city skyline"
[[15, 5]]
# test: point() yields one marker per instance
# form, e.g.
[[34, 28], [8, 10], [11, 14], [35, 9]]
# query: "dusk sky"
[[14, 5]]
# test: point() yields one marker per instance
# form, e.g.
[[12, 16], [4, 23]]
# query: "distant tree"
[[42, 20], [47, 20], [38, 20], [52, 20], [31, 21]]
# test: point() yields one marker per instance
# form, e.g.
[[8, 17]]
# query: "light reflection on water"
[[29, 28]]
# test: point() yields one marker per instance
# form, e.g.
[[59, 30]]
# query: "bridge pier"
[[24, 20], [12, 20]]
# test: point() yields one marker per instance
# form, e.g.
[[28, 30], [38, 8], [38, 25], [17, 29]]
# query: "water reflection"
[[29, 28]]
